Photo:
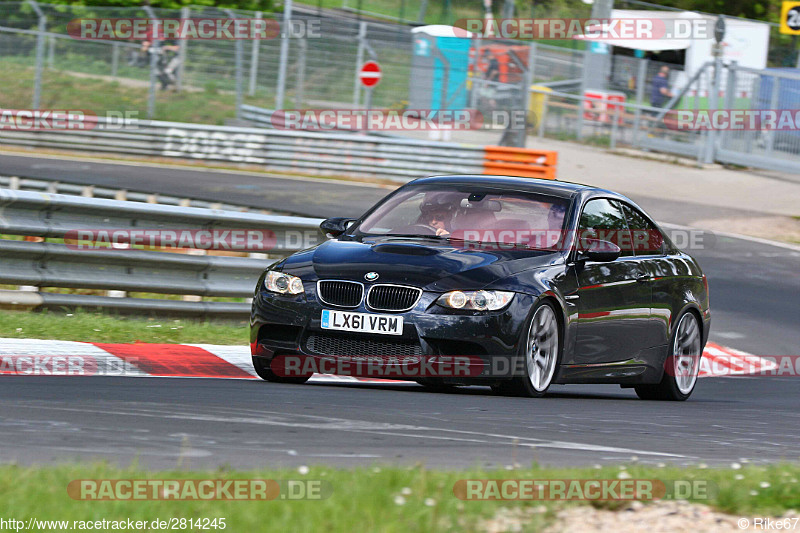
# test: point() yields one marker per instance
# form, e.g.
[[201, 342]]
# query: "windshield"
[[470, 214]]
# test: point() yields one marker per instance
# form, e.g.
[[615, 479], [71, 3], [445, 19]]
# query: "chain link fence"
[[314, 64]]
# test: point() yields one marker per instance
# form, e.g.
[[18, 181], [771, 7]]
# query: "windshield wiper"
[[501, 245], [413, 236]]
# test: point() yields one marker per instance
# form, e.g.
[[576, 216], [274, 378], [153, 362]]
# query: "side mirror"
[[600, 251], [335, 226]]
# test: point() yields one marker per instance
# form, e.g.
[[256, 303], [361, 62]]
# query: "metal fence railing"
[[706, 105], [275, 150], [62, 263]]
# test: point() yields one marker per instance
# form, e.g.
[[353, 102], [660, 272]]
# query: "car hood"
[[427, 263]]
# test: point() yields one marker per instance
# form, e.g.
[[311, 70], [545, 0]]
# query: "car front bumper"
[[488, 341]]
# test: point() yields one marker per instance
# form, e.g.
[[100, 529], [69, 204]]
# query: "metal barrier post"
[[40, 36], [542, 120], [773, 104], [641, 83], [154, 52], [526, 92], [730, 98], [114, 59], [51, 51], [182, 46], [301, 74], [362, 35], [579, 119], [473, 94], [239, 53], [703, 74], [612, 144], [254, 60], [284, 54], [713, 104]]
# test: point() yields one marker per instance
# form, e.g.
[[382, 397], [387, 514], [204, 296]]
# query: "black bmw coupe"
[[514, 283]]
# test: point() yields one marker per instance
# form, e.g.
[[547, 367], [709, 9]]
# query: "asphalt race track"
[[247, 423], [243, 423]]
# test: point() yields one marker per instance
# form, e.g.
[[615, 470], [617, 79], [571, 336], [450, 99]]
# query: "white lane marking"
[[373, 428], [344, 455], [729, 334], [188, 452]]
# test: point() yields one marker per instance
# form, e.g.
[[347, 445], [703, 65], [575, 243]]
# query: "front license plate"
[[362, 322]]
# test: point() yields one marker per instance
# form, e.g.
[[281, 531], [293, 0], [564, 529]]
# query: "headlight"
[[476, 300], [283, 283]]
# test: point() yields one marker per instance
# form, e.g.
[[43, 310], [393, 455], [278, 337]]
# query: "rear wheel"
[[540, 354], [682, 366], [262, 368]]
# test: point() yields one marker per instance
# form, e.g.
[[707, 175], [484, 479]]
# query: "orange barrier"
[[524, 162]]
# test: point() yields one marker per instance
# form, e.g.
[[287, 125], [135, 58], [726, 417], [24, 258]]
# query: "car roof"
[[562, 189]]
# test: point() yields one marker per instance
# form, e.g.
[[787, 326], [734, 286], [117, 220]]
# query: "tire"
[[264, 371], [682, 365], [540, 350]]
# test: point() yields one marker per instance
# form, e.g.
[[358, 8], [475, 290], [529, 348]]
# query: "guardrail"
[[343, 154], [275, 119], [22, 183], [52, 264], [504, 160]]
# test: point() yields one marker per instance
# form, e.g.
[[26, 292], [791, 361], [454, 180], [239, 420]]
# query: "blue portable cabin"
[[439, 68]]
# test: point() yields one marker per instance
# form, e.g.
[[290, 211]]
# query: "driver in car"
[[436, 216]]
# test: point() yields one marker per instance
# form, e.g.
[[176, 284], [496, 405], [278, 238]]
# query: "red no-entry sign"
[[369, 74]]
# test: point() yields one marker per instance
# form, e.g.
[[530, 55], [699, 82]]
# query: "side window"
[[602, 219], [647, 240]]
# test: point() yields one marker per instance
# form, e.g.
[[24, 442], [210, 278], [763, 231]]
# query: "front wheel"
[[682, 366], [539, 352], [264, 371]]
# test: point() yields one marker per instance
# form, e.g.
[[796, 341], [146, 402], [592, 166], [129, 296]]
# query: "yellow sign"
[[790, 18]]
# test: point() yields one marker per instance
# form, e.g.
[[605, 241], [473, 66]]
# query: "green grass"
[[64, 91], [688, 102], [371, 498], [99, 327]]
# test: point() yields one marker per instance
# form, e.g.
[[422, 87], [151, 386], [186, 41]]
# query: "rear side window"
[[647, 240], [602, 219]]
